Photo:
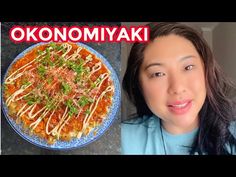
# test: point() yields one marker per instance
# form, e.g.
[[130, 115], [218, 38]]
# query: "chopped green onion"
[[53, 45], [31, 99], [87, 111], [40, 52], [41, 70], [78, 68], [26, 83], [83, 101], [49, 80], [72, 108], [65, 88], [50, 104]]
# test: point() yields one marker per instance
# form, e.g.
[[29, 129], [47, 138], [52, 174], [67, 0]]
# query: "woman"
[[181, 96]]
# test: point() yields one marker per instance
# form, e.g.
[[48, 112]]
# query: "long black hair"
[[216, 114]]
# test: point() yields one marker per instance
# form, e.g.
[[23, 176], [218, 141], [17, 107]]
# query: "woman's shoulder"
[[144, 122], [135, 132], [130, 126]]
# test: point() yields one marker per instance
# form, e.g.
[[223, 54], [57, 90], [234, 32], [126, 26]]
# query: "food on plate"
[[58, 91]]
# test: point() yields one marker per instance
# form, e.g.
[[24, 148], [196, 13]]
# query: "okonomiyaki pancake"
[[58, 91]]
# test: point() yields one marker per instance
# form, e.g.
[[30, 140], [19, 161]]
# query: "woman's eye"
[[189, 67], [158, 74]]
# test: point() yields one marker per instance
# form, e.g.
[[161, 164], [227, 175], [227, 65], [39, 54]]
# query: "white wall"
[[207, 34], [224, 47]]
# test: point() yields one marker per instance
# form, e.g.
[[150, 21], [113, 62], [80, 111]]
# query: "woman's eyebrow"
[[153, 64], [187, 57], [161, 64]]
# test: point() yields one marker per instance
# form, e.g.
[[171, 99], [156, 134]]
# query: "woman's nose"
[[176, 84]]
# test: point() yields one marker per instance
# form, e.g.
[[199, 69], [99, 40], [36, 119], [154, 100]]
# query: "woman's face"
[[173, 82]]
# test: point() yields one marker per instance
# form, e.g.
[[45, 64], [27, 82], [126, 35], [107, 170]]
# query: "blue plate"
[[74, 143]]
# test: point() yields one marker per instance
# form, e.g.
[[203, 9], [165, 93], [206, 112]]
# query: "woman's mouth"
[[180, 107]]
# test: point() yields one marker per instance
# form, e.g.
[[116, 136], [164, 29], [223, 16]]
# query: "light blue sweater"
[[146, 136]]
